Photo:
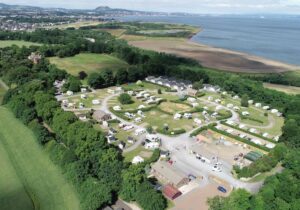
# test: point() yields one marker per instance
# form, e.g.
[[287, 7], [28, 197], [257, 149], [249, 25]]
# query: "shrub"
[[125, 98]]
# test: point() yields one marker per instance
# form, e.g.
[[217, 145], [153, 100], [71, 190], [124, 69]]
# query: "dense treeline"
[[84, 155], [95, 167]]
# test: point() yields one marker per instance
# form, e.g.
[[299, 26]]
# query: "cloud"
[[196, 6]]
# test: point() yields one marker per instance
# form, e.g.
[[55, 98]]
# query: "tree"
[[159, 91], [149, 129], [95, 80], [198, 85], [125, 98], [121, 76], [82, 75], [108, 77], [244, 101], [73, 84]]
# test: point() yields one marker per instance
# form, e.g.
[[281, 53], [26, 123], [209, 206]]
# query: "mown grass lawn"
[[88, 62], [41, 179], [8, 43], [13, 195]]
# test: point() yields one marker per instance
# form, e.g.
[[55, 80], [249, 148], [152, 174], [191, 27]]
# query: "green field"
[[283, 88], [88, 62], [8, 43], [28, 178]]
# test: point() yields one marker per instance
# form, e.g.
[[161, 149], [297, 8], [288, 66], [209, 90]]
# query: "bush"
[[125, 98]]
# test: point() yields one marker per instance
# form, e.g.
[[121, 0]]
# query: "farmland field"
[[8, 43], [88, 62], [283, 88], [30, 180]]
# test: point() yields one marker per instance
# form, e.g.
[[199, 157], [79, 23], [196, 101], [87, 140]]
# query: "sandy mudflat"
[[211, 57]]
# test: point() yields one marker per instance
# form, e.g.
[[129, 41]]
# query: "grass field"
[[8, 43], [28, 171], [88, 62], [283, 88]]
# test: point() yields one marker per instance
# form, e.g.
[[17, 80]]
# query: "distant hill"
[[101, 10]]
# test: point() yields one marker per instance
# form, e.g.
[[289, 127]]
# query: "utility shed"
[[171, 192], [164, 171]]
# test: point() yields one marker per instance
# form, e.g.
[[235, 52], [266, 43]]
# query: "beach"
[[212, 57]]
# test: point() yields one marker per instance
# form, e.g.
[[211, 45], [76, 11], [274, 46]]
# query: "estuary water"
[[273, 37]]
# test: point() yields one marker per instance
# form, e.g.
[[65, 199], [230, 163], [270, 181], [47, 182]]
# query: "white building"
[[191, 100], [257, 105], [266, 107], [274, 111], [187, 115], [197, 121], [245, 113], [177, 116], [137, 160], [117, 108], [139, 131], [96, 102], [69, 93]]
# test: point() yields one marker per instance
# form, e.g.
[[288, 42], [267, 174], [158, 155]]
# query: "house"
[[101, 116], [83, 96], [191, 99], [110, 139], [270, 145], [152, 137], [164, 154], [192, 92], [141, 107], [82, 117], [242, 126], [171, 192], [266, 107], [236, 108], [122, 145], [187, 115], [236, 97], [177, 116], [69, 93], [210, 98], [129, 115], [151, 144], [130, 92], [117, 108], [219, 107], [95, 102], [256, 141], [164, 171], [229, 106], [274, 111], [138, 120], [81, 105], [112, 131], [250, 101], [195, 105], [245, 113], [257, 105], [139, 131], [253, 130], [265, 135], [130, 140], [35, 57], [149, 78], [128, 127], [197, 121], [83, 90], [218, 100], [137, 160]]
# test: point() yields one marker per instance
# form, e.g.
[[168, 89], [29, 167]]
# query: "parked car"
[[222, 189], [216, 168]]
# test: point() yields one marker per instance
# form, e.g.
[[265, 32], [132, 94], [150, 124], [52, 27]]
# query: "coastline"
[[211, 57]]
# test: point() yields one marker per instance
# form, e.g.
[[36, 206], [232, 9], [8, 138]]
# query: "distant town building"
[[35, 57]]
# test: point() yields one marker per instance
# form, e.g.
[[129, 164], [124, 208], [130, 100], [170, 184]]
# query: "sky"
[[190, 6]]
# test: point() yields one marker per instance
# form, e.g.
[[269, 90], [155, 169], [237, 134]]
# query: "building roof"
[[99, 115], [171, 192], [166, 170]]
